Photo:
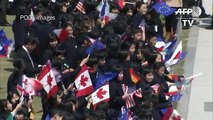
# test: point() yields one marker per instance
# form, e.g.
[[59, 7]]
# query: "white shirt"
[[25, 49]]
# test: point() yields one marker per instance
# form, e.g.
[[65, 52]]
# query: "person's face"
[[53, 44], [132, 49], [153, 41], [19, 117], [14, 99], [143, 9], [138, 36], [9, 106], [31, 47], [120, 76], [69, 31], [161, 71], [149, 77], [57, 117], [64, 9], [58, 99], [102, 62], [116, 11], [158, 58], [130, 12]]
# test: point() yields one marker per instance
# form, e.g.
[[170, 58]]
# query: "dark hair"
[[126, 44], [23, 112], [92, 61], [100, 54], [55, 111], [126, 8], [117, 68], [136, 30], [158, 65], [150, 35], [3, 105], [10, 96], [114, 5], [139, 4], [122, 55], [112, 50], [32, 40], [52, 37], [147, 70], [81, 38], [95, 33], [120, 27], [66, 24]]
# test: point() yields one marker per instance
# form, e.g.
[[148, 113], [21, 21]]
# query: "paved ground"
[[196, 103]]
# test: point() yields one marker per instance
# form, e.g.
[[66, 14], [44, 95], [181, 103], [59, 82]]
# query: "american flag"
[[142, 27], [131, 91], [155, 87], [80, 6]]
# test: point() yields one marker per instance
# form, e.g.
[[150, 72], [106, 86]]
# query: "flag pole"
[[194, 76]]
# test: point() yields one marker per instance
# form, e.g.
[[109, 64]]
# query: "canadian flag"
[[83, 82], [62, 34], [47, 79], [100, 95], [171, 114], [32, 18], [28, 85]]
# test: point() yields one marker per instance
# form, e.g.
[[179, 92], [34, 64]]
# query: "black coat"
[[137, 20], [29, 70], [20, 30], [70, 47], [116, 93]]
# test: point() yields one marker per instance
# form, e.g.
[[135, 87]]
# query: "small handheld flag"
[[163, 8]]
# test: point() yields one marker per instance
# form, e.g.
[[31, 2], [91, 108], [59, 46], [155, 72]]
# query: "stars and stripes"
[[131, 92], [80, 6]]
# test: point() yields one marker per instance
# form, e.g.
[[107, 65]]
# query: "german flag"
[[135, 78]]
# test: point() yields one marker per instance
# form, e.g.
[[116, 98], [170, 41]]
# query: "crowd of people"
[[127, 44]]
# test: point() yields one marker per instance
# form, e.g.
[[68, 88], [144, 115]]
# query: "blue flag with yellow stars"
[[163, 8]]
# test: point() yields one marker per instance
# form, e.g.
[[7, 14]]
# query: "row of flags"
[[6, 45], [171, 52], [83, 83]]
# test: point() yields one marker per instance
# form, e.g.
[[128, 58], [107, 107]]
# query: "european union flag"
[[103, 78], [175, 97], [163, 8], [98, 45], [4, 43]]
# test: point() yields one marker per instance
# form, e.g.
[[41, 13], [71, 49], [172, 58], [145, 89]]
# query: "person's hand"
[[170, 83], [103, 23], [145, 63], [30, 102], [89, 99], [125, 96], [18, 106], [84, 61], [68, 70]]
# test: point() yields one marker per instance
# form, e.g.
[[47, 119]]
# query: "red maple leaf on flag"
[[83, 80], [101, 93], [176, 117], [25, 81], [49, 80]]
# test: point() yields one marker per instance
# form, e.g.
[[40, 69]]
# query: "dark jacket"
[[29, 70]]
